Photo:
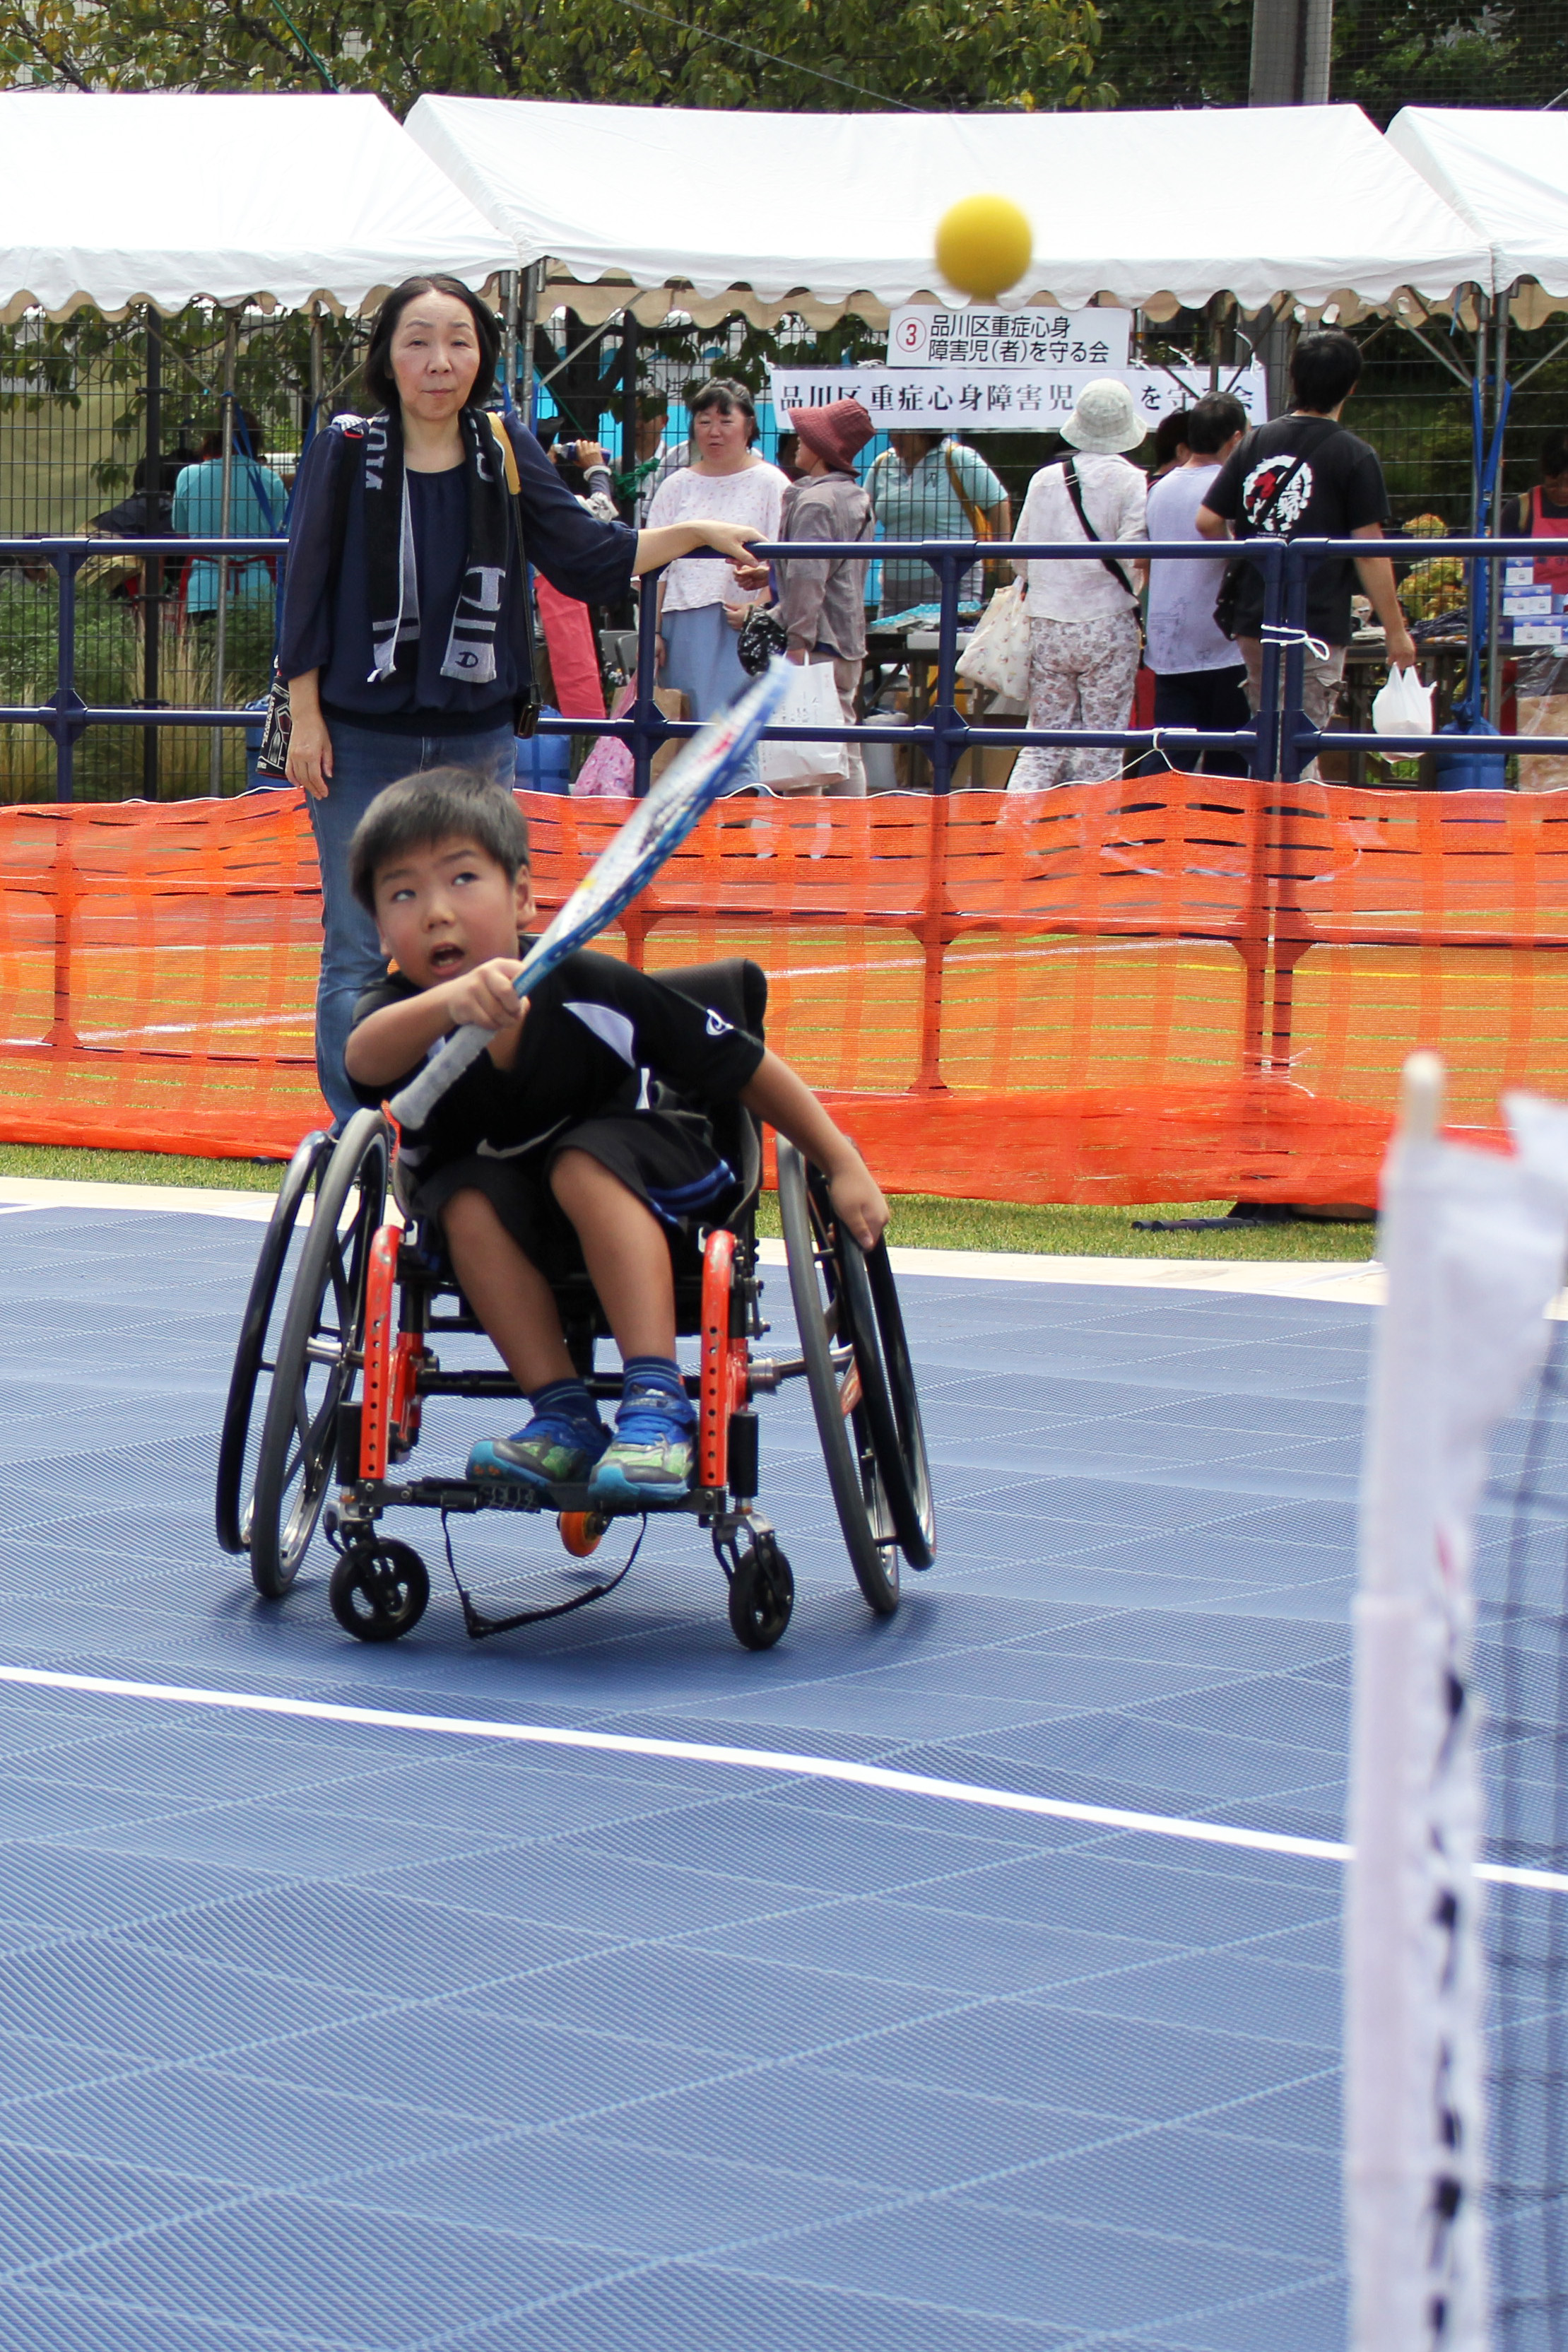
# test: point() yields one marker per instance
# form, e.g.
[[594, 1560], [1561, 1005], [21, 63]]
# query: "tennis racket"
[[656, 828]]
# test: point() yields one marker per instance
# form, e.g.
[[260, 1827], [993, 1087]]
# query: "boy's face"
[[445, 909]]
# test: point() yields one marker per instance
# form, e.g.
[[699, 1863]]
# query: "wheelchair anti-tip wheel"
[[379, 1589], [314, 1368], [255, 1356], [862, 1386], [761, 1593]]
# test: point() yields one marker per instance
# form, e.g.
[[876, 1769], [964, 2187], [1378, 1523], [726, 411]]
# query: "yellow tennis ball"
[[983, 245]]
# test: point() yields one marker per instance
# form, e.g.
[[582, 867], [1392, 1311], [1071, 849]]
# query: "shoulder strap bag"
[[993, 574], [1228, 603], [277, 719], [1075, 492], [526, 705]]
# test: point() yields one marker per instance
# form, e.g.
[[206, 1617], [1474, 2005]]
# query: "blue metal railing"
[[1280, 743]]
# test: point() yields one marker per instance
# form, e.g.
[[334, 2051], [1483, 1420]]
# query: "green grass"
[[919, 1221], [138, 1168]]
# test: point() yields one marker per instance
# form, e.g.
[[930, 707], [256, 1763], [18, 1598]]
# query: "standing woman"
[[405, 630], [1083, 633], [700, 612]]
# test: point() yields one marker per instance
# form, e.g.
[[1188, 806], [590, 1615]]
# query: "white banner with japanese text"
[[949, 399], [921, 337]]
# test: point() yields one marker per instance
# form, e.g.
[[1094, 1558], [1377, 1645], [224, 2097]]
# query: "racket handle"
[[413, 1105]]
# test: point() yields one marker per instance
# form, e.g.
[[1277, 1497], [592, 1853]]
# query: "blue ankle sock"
[[656, 1384], [565, 1401]]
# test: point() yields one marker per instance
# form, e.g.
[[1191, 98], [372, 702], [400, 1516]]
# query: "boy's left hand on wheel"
[[858, 1204]]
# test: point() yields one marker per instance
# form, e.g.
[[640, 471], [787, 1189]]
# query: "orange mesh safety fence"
[[1174, 989]]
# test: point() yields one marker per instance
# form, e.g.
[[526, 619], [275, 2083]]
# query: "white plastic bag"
[[812, 701], [1402, 706], [996, 656]]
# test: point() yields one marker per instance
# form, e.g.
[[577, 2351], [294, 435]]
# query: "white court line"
[[958, 960], [302, 1021], [743, 1760], [1337, 1282]]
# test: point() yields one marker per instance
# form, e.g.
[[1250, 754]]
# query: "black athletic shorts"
[[666, 1158]]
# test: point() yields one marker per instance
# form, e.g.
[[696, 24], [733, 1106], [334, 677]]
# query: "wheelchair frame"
[[363, 1311]]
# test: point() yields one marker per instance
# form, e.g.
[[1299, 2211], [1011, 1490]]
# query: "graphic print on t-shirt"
[[1261, 484]]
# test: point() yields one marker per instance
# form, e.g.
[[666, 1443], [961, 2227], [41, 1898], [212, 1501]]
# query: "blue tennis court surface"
[[331, 2035]]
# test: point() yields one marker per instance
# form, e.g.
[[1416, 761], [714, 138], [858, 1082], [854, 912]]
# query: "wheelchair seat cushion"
[[666, 1159]]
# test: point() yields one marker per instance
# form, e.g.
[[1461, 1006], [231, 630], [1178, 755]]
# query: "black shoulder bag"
[[1228, 601], [277, 720], [526, 705], [1075, 492]]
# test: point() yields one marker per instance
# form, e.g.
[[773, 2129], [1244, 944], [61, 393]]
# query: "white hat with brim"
[[1105, 420]]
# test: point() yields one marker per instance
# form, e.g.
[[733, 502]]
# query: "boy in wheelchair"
[[578, 1141]]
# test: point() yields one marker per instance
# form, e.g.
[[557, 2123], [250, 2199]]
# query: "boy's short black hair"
[[1555, 456], [439, 804], [1212, 421], [1324, 369]]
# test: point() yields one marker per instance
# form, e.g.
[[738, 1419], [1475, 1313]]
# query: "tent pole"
[[1494, 571], [1477, 453], [225, 513], [509, 336], [528, 317], [152, 565], [318, 367], [629, 417]]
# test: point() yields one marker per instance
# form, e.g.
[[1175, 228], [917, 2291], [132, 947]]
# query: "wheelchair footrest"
[[369, 1497]]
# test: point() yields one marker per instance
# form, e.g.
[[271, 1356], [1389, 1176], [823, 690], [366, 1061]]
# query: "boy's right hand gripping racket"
[[656, 828]]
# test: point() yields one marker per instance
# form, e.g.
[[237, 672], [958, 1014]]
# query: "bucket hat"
[[836, 433], [1105, 420]]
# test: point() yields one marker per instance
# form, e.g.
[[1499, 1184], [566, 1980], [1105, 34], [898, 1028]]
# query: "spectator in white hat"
[[1085, 635]]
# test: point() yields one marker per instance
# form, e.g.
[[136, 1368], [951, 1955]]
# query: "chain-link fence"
[[85, 405]]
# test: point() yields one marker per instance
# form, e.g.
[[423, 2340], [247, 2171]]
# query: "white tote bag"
[[996, 656], [812, 701]]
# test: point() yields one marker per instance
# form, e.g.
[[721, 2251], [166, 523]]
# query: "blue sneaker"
[[552, 1451], [650, 1457]]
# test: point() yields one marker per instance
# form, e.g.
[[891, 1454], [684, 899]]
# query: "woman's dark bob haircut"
[[726, 391], [425, 810], [380, 381]]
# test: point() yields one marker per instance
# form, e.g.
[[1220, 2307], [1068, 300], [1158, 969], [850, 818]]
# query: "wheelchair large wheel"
[[862, 1386], [255, 1356], [314, 1367]]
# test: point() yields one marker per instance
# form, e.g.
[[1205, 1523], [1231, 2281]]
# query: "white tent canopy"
[[1153, 210], [1506, 174], [116, 199]]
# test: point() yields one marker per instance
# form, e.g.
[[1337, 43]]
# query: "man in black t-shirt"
[[1304, 477], [579, 1140]]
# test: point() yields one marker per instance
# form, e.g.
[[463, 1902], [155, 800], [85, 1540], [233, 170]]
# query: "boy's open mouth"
[[445, 960]]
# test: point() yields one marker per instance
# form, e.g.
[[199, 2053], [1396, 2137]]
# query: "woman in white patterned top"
[[700, 609]]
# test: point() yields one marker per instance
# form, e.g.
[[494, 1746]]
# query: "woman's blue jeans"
[[365, 759]]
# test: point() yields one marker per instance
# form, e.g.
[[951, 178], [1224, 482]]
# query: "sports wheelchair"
[[328, 1387]]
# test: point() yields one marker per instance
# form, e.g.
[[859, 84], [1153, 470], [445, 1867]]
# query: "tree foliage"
[[1387, 53], [787, 56], [1395, 53]]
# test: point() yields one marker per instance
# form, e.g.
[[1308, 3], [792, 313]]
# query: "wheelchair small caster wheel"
[[761, 1595], [378, 1590], [581, 1532]]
